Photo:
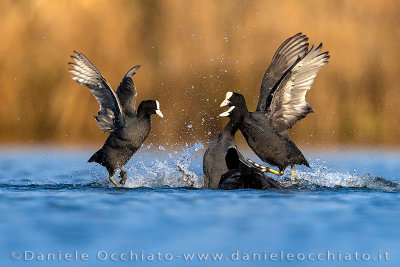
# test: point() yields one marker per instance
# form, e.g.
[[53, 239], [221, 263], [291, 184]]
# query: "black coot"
[[214, 158], [117, 115], [282, 103]]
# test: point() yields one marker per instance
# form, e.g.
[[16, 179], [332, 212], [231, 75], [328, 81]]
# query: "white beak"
[[158, 111], [227, 113], [226, 102]]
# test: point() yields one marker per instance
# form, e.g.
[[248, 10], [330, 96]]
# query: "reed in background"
[[192, 53]]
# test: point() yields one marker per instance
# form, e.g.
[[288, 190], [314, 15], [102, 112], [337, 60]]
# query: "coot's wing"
[[274, 183], [289, 104], [258, 180], [84, 72], [232, 179], [284, 57], [126, 91]]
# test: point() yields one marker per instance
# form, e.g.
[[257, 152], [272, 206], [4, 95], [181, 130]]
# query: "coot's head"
[[149, 107], [234, 99], [237, 107]]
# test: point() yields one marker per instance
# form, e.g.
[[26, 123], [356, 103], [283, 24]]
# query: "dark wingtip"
[[79, 56], [301, 35], [132, 71], [75, 54]]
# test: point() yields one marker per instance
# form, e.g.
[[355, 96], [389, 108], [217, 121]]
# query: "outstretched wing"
[[284, 57], [126, 91], [84, 72], [289, 104]]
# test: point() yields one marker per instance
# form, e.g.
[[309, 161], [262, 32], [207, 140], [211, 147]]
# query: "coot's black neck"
[[237, 116], [143, 113], [231, 128], [235, 120]]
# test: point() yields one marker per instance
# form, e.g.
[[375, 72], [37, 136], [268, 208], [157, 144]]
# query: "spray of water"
[[174, 171], [183, 168], [320, 177]]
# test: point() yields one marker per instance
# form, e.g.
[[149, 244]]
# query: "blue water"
[[53, 202]]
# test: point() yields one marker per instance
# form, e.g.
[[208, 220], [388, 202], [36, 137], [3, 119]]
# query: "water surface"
[[54, 202]]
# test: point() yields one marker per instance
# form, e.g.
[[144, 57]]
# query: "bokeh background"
[[192, 53]]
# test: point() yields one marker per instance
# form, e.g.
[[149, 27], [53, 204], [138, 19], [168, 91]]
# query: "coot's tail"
[[97, 157], [304, 161], [301, 160]]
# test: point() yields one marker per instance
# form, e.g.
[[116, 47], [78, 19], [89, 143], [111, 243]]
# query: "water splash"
[[158, 167], [183, 168], [322, 177], [175, 171]]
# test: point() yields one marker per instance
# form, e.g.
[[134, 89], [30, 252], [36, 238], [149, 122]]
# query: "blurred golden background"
[[192, 53]]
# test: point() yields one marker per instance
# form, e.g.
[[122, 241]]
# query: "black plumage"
[[240, 176], [214, 158], [117, 115], [214, 163], [282, 103]]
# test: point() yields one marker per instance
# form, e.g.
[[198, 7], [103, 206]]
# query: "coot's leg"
[[111, 173], [114, 182], [123, 176], [280, 173], [265, 169], [292, 175]]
